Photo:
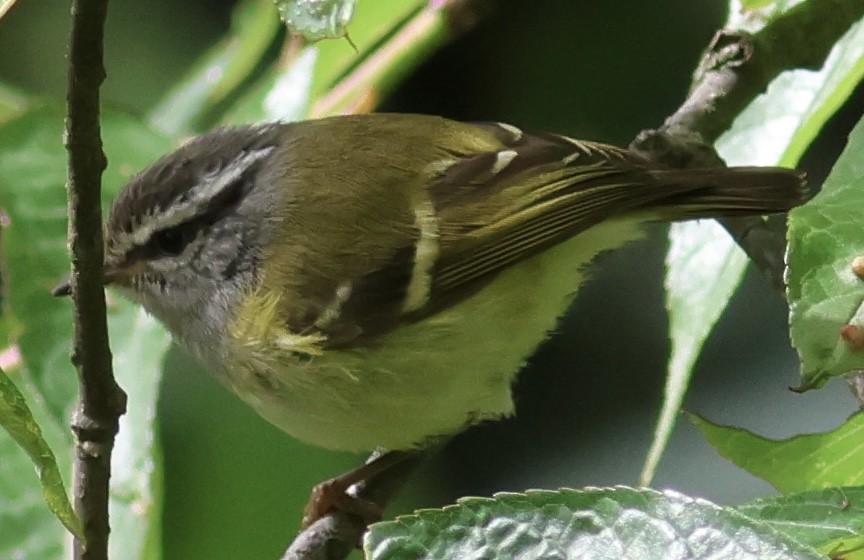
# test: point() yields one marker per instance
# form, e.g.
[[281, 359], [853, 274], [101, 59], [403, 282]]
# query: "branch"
[[101, 401], [736, 68], [336, 534]]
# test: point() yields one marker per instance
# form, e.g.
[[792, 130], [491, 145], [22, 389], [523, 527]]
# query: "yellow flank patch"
[[259, 328]]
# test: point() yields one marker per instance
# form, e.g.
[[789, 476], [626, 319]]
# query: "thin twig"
[[101, 401], [736, 68]]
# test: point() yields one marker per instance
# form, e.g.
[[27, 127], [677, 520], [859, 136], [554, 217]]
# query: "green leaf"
[[825, 295], [848, 548], [803, 462], [220, 71], [819, 518], [316, 19], [703, 270], [32, 192], [18, 421], [32, 175], [594, 523], [29, 529], [793, 110]]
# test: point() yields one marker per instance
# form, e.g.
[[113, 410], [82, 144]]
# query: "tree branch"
[[736, 68], [335, 535], [101, 401]]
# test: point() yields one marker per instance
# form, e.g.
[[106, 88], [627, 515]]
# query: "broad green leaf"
[[316, 19], [825, 295], [220, 71], [10, 356], [18, 421], [703, 270], [390, 40], [32, 175], [620, 523], [803, 462], [819, 518]]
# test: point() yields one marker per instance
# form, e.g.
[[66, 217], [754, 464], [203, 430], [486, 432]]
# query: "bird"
[[377, 281]]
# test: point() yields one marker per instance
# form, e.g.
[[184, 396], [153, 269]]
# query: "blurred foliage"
[[584, 68], [219, 72]]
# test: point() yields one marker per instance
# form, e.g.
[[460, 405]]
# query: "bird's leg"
[[334, 493]]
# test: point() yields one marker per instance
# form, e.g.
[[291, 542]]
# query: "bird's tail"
[[734, 191]]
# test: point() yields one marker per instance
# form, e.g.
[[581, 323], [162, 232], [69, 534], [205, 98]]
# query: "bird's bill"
[[64, 287]]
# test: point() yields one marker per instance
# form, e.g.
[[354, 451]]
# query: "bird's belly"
[[430, 378]]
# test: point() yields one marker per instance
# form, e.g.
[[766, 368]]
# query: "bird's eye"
[[170, 241]]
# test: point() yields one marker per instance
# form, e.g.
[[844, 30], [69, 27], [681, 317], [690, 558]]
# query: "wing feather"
[[479, 200]]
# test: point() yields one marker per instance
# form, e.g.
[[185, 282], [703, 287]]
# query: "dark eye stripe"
[[173, 241]]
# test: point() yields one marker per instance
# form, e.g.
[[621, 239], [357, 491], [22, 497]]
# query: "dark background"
[[588, 401]]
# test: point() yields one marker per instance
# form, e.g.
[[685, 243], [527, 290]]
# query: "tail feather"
[[735, 191]]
